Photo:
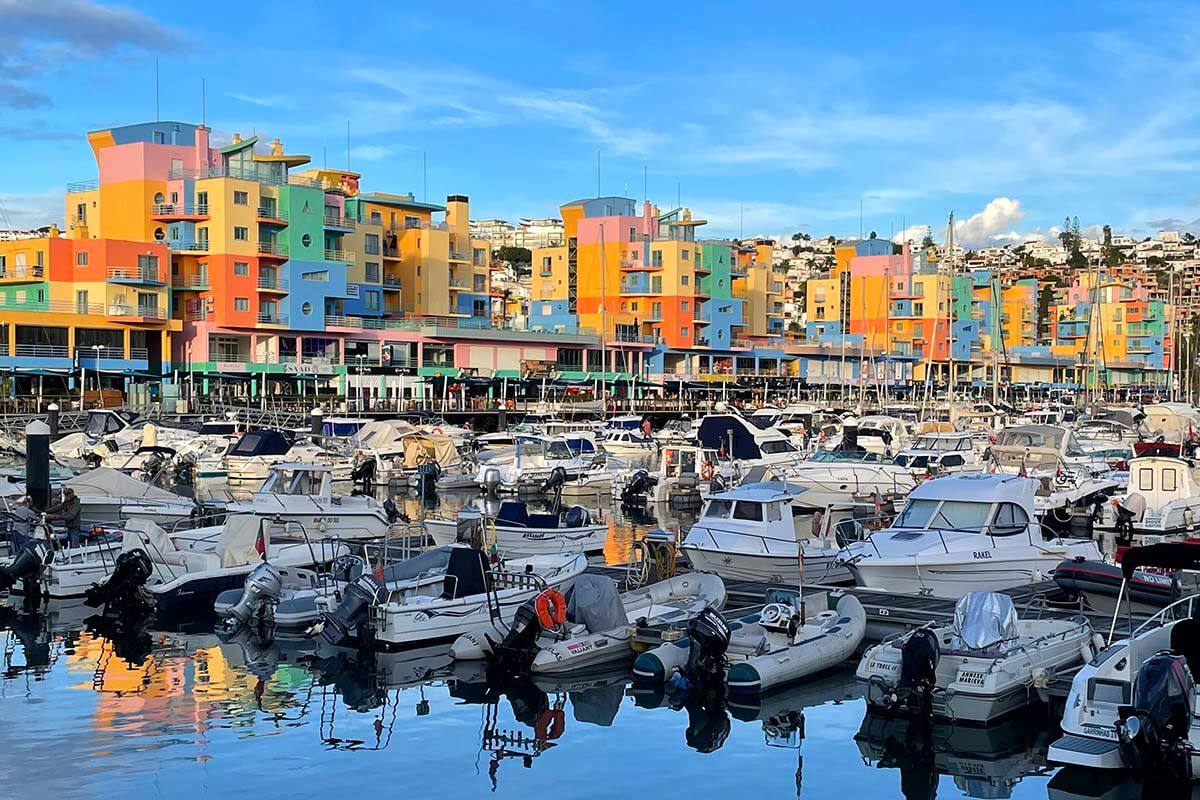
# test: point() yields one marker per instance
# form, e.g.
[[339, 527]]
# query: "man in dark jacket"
[[71, 513]]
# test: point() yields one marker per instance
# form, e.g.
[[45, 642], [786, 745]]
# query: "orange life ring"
[[707, 470], [436, 430], [551, 608], [550, 724]]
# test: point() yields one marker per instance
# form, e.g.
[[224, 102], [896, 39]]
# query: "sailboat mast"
[[950, 312]]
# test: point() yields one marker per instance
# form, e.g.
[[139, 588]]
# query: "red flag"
[[260, 544]]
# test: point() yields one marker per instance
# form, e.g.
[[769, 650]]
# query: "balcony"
[[701, 342], [391, 252], [391, 283], [458, 255], [189, 282], [638, 266], [702, 268], [338, 255], [738, 272], [272, 318], [268, 284], [741, 344], [83, 186], [271, 216], [127, 313], [352, 290], [189, 247], [457, 284], [272, 250], [196, 314], [179, 212], [22, 273], [134, 276], [42, 351], [336, 222]]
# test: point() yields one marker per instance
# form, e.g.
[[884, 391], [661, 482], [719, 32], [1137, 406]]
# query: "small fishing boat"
[[764, 650], [108, 495], [598, 627], [941, 452], [752, 533], [980, 667], [622, 442], [518, 532], [1163, 500], [962, 533]]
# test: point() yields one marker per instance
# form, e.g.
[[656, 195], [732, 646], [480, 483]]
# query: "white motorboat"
[[941, 452], [108, 431], [978, 668], [108, 495], [249, 461], [759, 652], [302, 494], [752, 533], [741, 439], [875, 433], [962, 533], [1163, 499], [835, 476], [629, 443], [515, 531], [473, 594], [530, 463], [599, 627], [1133, 706]]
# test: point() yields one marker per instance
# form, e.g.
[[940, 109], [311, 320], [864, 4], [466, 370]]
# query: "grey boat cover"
[[434, 560], [984, 621], [595, 604]]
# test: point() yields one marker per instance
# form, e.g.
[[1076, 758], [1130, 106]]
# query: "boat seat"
[[1185, 640]]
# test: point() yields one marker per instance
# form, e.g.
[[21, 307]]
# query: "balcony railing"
[[272, 318], [745, 344], [338, 255], [352, 290], [96, 352], [189, 281], [137, 312], [196, 315], [43, 350], [135, 275], [458, 255], [265, 176], [179, 210], [418, 225], [335, 221], [391, 252], [273, 284], [391, 280], [193, 247], [83, 186], [457, 284], [268, 214], [22, 271], [273, 249]]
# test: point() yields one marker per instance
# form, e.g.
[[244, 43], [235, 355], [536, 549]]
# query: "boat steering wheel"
[[775, 615]]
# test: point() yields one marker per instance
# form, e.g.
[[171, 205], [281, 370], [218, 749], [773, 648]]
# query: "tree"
[[873, 235], [515, 255], [927, 242]]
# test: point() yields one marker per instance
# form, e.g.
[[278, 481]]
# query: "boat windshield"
[[1027, 437], [558, 449], [719, 509], [939, 443], [956, 514], [863, 457]]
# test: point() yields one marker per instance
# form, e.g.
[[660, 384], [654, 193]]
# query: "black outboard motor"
[[389, 508], [636, 487], [123, 588], [708, 723], [554, 482], [709, 635], [347, 618], [1153, 732], [36, 554], [364, 473], [519, 646], [576, 517], [717, 484], [918, 672]]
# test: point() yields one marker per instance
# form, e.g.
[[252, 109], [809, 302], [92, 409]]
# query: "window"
[[412, 222], [918, 309], [683, 280], [748, 511], [241, 234], [683, 306], [632, 235], [547, 309], [685, 332], [306, 309], [371, 244], [1146, 479], [371, 272], [684, 254], [201, 199], [81, 259], [306, 240], [773, 514], [81, 302], [916, 514], [371, 301], [241, 304], [1169, 480], [241, 198], [315, 276], [1010, 518], [241, 268], [719, 509]]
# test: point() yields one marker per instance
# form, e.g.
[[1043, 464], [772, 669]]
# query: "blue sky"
[[764, 118]]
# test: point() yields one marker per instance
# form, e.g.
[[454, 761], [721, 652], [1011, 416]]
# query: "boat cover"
[[237, 545], [434, 560], [466, 573], [595, 604], [109, 482], [420, 447], [148, 536], [984, 621]]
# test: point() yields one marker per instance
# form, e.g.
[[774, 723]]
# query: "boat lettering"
[[1104, 732], [982, 554], [326, 520]]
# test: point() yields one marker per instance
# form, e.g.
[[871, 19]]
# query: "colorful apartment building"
[[277, 274]]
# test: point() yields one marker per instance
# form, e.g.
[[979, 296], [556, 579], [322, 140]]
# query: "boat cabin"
[[262, 442], [751, 506], [296, 479], [102, 422], [994, 505], [940, 451], [676, 460], [1163, 479]]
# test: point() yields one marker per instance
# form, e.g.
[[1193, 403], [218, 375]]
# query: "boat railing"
[[1081, 623], [1168, 613]]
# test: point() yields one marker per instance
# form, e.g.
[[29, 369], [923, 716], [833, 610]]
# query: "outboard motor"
[[717, 484], [576, 517], [555, 482], [390, 509], [427, 478], [364, 473], [638, 484], [519, 646], [36, 554], [491, 480], [355, 607], [709, 635], [918, 672], [124, 586], [261, 594], [1153, 732]]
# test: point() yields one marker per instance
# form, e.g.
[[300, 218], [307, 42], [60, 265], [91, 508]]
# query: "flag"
[[260, 543]]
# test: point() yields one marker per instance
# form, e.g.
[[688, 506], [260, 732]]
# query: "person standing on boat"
[[70, 511]]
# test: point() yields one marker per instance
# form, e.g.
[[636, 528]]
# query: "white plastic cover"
[[109, 482], [984, 621], [236, 546], [595, 603]]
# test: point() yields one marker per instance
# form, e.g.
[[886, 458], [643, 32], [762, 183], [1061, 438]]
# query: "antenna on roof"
[[157, 116], [203, 103], [424, 176], [645, 183], [598, 193], [347, 145]]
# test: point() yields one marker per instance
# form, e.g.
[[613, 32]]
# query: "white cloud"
[[369, 152], [279, 101], [27, 211], [993, 225], [913, 233]]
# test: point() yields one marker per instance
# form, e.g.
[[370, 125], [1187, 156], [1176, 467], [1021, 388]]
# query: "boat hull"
[[766, 568]]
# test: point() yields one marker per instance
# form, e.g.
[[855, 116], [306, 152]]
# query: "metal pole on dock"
[[37, 464], [316, 422], [52, 420]]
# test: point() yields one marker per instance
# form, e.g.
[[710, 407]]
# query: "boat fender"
[[1085, 650], [1097, 642], [551, 608], [1187, 518], [1042, 677], [550, 725]]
